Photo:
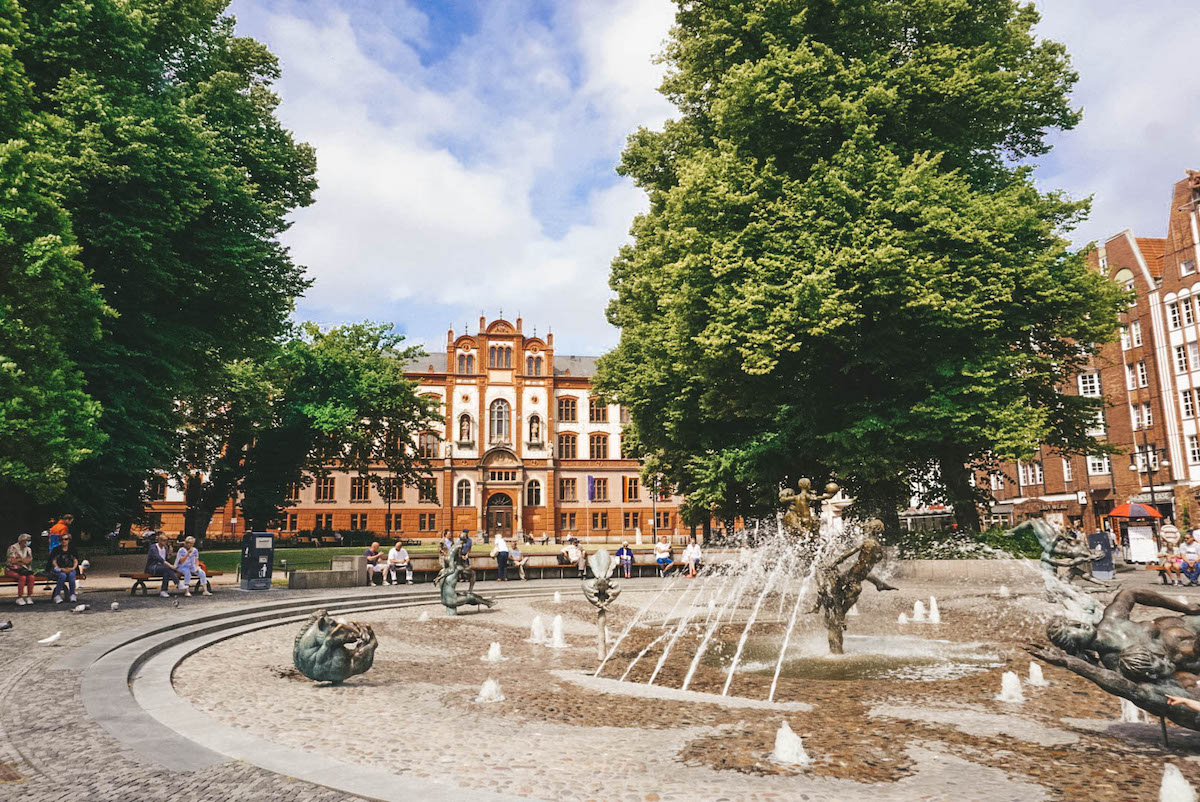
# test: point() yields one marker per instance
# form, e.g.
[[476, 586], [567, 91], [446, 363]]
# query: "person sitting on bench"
[[663, 556], [625, 558], [398, 561], [158, 563], [517, 559], [187, 562], [375, 564], [19, 566]]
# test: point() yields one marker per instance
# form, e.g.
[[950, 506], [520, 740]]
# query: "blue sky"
[[466, 149]]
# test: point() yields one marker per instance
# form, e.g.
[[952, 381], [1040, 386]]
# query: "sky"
[[466, 150]]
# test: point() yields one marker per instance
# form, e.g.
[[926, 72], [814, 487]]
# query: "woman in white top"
[[19, 566], [500, 552], [187, 562], [662, 555], [398, 561], [691, 558]]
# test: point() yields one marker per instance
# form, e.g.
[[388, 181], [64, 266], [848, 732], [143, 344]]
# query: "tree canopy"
[[846, 267], [152, 128]]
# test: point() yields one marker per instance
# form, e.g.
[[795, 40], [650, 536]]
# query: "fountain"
[[918, 613], [557, 641], [493, 655], [1010, 688], [490, 692], [1004, 592], [935, 615], [537, 631], [424, 616], [1130, 713], [601, 591], [1175, 787], [902, 619], [853, 610], [557, 597], [789, 747], [1035, 675]]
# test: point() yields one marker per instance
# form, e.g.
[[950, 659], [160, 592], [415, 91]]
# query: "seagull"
[[5, 626], [53, 639], [114, 606]]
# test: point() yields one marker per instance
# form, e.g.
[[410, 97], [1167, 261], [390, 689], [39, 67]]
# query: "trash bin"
[[258, 555]]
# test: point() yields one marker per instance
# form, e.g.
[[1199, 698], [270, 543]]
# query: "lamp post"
[[1153, 465]]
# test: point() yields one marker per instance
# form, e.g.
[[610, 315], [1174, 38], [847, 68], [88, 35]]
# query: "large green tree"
[[846, 267], [159, 138], [341, 400], [50, 307]]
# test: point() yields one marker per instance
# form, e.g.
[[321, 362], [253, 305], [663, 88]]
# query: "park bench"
[[140, 580], [45, 580]]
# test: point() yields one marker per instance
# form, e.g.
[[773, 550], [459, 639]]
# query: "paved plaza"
[[216, 711]]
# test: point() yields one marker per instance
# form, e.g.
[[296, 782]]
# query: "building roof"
[[1152, 249], [563, 365]]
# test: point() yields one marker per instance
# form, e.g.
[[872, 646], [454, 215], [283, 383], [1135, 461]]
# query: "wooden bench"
[[140, 580], [46, 581]]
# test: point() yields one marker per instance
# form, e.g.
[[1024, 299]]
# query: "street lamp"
[[1153, 464]]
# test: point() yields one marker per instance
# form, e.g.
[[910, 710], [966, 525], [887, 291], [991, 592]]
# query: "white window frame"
[[1099, 465], [1173, 315], [1125, 342], [1068, 470], [1193, 448], [1135, 332], [1187, 403], [1142, 374], [1135, 416], [1130, 376], [1187, 267], [1147, 415], [1194, 355], [1089, 385], [1181, 359], [1189, 315]]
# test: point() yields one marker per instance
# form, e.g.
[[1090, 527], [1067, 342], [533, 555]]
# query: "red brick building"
[[524, 446], [1151, 380]]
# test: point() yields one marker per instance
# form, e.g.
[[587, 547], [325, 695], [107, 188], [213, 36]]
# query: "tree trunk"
[[199, 511], [956, 478]]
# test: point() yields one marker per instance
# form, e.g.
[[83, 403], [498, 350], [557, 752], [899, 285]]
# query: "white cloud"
[[468, 183], [1141, 125]]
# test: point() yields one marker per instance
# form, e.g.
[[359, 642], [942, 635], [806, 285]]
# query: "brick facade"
[[483, 380], [1154, 368]]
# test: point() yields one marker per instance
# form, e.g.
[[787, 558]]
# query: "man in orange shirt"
[[59, 529]]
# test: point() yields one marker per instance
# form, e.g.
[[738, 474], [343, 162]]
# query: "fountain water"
[[918, 614], [1010, 688], [490, 692], [537, 631], [1130, 713], [737, 656], [1035, 675], [557, 597], [789, 747], [1175, 787], [424, 616], [902, 619], [853, 610], [557, 641], [633, 622], [1004, 593], [935, 615], [493, 655], [826, 543]]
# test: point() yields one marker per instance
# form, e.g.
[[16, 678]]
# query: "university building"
[[1151, 380], [524, 447]]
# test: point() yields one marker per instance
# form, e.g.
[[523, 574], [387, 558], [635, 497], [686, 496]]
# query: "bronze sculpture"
[[601, 592], [799, 514], [447, 579], [1061, 550], [837, 592], [329, 650], [1142, 661]]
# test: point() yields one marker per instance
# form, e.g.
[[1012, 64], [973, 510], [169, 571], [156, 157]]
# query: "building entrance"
[[499, 515]]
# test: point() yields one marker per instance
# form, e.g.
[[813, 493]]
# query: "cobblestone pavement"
[[46, 738]]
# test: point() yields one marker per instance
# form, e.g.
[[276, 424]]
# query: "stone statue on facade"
[[601, 591], [331, 650], [1142, 661], [535, 429], [838, 591], [447, 579]]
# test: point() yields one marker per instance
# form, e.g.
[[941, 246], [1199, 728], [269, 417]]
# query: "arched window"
[[598, 446], [427, 445], [499, 357], [465, 433], [533, 493], [535, 429], [462, 493], [500, 421], [566, 446], [462, 363], [529, 365], [537, 366]]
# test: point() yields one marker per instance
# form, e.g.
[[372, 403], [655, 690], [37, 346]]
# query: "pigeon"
[[114, 606], [7, 625], [79, 608], [175, 603], [53, 639]]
